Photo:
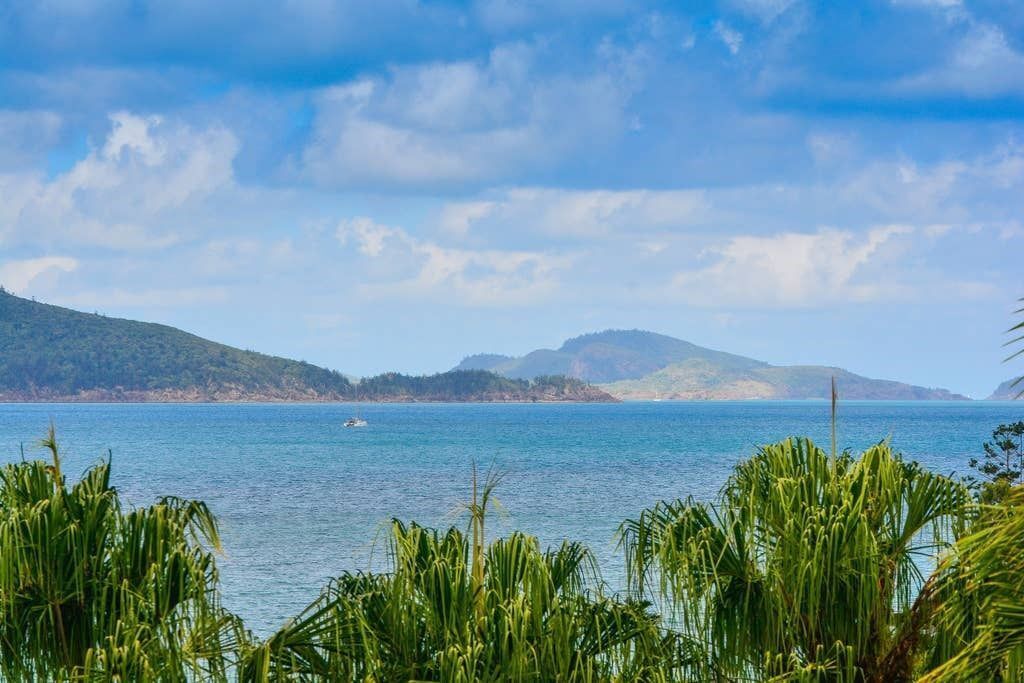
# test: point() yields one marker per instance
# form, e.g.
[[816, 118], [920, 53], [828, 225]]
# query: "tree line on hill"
[[53, 353]]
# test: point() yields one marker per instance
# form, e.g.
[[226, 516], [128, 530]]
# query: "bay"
[[301, 499]]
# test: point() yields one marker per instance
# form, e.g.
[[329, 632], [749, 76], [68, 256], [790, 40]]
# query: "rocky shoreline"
[[235, 395]]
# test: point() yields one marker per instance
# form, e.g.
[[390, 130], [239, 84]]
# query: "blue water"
[[301, 499]]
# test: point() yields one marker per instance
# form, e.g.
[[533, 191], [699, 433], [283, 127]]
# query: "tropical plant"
[[807, 568], [456, 610], [1018, 340], [979, 625], [91, 591], [1003, 463]]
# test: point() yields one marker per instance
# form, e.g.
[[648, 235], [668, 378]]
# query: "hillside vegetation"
[[53, 353], [481, 385], [607, 357], [48, 351], [633, 364]]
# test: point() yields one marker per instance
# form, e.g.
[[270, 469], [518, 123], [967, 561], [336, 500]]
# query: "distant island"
[[635, 364], [49, 353], [1007, 391]]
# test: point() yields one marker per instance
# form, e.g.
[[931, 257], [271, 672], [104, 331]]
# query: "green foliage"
[[461, 611], [806, 567], [639, 364], [1003, 464], [1017, 340], [979, 624], [473, 385], [51, 351], [90, 591], [529, 618]]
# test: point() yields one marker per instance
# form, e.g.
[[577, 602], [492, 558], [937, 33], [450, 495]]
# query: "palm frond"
[[529, 615], [805, 568], [89, 590], [1017, 329]]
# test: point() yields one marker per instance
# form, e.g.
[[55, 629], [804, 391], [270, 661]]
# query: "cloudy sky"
[[375, 185]]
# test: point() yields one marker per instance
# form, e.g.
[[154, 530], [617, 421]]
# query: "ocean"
[[300, 498]]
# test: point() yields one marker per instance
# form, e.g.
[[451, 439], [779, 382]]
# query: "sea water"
[[300, 498]]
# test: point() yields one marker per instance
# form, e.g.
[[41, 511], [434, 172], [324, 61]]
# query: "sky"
[[393, 185]]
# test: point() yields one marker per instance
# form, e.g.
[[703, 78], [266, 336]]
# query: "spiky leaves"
[[90, 591], [1017, 341], [423, 621], [806, 568], [980, 624]]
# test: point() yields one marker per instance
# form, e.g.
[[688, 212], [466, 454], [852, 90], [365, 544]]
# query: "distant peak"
[[486, 357], [615, 336]]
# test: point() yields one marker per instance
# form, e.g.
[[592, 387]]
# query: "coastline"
[[186, 397]]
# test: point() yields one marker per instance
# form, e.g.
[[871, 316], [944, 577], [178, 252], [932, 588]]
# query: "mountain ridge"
[[50, 353], [637, 364], [1006, 391]]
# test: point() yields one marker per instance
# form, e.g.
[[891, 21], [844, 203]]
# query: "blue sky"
[[394, 185]]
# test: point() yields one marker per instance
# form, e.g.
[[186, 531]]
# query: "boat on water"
[[355, 422]]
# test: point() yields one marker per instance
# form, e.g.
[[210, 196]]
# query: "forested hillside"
[[475, 385], [53, 353]]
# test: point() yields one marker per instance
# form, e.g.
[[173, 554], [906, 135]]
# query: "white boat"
[[355, 422]]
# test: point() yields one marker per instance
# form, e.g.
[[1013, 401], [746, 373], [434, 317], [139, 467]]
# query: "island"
[[54, 354]]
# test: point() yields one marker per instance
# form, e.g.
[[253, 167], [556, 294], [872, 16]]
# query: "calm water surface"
[[300, 498]]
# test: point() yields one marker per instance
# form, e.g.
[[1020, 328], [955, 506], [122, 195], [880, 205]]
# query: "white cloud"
[[456, 218], [17, 276], [502, 15], [789, 269], [983, 64], [936, 230], [952, 8], [902, 187], [132, 135], [827, 148], [128, 193], [445, 123], [765, 10], [399, 265], [368, 235], [983, 188], [579, 213], [941, 4], [730, 37]]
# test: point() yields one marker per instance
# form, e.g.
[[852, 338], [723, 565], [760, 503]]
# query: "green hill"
[[478, 385], [606, 357], [633, 364], [49, 353], [52, 352]]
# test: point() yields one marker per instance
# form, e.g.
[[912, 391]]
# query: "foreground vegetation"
[[452, 609], [91, 591], [807, 567], [810, 566]]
